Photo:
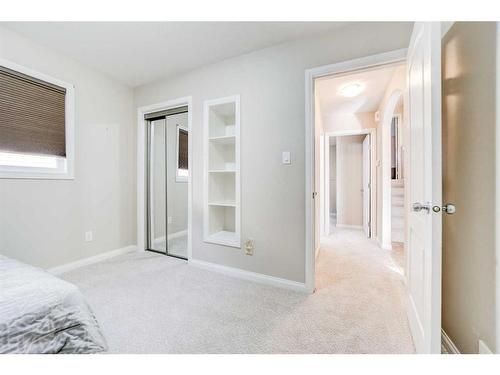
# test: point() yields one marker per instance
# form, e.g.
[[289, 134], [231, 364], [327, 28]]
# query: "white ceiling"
[[332, 102], [135, 53]]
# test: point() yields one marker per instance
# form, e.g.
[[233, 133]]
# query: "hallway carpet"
[[148, 303]]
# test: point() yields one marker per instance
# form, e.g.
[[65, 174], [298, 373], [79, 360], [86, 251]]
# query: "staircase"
[[397, 210]]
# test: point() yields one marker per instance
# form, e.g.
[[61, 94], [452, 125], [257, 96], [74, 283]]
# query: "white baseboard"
[[483, 348], [316, 253], [250, 276], [91, 260], [448, 345], [387, 246], [347, 226]]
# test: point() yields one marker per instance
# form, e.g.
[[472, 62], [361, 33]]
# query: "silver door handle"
[[417, 207], [448, 208]]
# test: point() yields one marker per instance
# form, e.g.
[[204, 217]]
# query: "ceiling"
[[136, 53], [332, 102]]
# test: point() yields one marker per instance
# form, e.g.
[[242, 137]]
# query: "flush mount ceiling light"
[[352, 89]]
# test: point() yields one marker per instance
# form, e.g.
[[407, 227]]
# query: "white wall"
[[350, 121], [42, 222], [350, 180], [271, 85]]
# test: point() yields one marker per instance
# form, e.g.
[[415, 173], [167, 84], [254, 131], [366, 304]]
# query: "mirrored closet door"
[[168, 170]]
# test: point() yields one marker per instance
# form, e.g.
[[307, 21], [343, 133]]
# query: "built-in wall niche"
[[221, 121]]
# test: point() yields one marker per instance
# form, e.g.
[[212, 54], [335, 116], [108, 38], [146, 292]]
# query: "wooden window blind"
[[183, 149], [32, 115]]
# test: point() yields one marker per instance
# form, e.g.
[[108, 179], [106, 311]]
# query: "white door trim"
[[141, 170], [367, 186], [367, 62]]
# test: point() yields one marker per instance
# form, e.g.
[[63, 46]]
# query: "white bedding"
[[40, 313]]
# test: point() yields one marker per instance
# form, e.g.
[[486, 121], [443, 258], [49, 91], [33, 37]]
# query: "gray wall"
[[271, 85], [42, 222], [469, 120]]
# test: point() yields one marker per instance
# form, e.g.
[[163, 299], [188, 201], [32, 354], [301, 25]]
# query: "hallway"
[[365, 285]]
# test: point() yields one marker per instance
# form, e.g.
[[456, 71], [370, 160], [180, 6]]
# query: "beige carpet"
[[148, 303]]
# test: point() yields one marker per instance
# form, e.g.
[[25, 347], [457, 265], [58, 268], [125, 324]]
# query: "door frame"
[[368, 62], [142, 170], [372, 133]]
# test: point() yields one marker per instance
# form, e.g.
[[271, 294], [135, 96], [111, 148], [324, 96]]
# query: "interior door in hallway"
[[366, 185], [424, 236]]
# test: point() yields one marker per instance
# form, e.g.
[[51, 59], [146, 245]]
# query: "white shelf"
[[223, 204], [222, 171], [221, 220], [223, 140], [224, 238]]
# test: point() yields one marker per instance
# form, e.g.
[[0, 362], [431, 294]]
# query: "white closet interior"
[[222, 171]]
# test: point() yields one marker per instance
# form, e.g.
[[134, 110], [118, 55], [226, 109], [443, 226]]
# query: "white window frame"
[[65, 166], [179, 178]]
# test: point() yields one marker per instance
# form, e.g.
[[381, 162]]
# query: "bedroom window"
[[36, 125], [182, 170]]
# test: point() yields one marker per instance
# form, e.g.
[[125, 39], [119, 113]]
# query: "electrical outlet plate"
[[88, 236], [286, 158], [249, 247]]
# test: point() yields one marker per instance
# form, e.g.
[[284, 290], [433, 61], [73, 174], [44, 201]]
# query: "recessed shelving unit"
[[222, 223]]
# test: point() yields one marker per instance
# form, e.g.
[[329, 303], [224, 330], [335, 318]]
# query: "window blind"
[[32, 115], [183, 149]]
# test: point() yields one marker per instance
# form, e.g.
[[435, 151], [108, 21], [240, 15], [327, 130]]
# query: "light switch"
[[286, 157]]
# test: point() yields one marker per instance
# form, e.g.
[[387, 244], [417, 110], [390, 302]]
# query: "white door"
[[424, 226], [366, 185]]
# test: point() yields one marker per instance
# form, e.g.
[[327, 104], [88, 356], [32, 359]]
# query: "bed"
[[40, 313]]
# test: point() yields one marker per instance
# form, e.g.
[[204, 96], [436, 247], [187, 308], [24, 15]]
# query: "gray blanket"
[[40, 313]]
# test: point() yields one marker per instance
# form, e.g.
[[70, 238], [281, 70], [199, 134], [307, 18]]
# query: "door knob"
[[449, 208], [417, 207]]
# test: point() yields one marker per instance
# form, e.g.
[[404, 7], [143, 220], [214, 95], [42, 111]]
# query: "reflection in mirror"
[[168, 140]]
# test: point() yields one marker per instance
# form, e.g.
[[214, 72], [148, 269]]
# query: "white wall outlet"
[[286, 158], [170, 220], [249, 247], [89, 236]]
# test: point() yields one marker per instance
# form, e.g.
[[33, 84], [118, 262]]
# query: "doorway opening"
[[348, 195], [421, 80], [398, 196], [356, 156]]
